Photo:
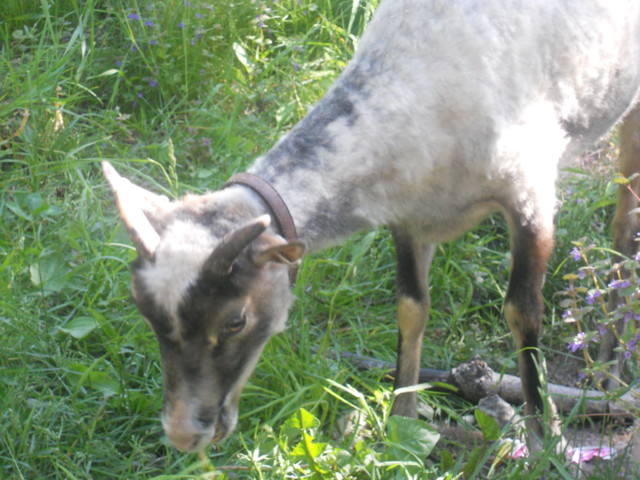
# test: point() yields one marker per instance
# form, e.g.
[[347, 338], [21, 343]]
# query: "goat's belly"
[[445, 223]]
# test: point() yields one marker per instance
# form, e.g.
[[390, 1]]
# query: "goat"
[[449, 110]]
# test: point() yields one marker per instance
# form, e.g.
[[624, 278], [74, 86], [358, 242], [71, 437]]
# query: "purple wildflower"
[[152, 42], [576, 254], [296, 67], [153, 83], [259, 19], [578, 343], [118, 63], [133, 16], [148, 23], [140, 95], [198, 15], [591, 296], [206, 141], [619, 284], [181, 25]]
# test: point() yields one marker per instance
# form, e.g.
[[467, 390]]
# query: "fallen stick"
[[475, 380]]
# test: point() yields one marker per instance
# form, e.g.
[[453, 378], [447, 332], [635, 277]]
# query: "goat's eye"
[[235, 324]]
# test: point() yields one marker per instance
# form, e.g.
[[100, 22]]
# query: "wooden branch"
[[474, 380]]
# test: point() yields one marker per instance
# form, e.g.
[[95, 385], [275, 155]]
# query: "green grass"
[[213, 84]]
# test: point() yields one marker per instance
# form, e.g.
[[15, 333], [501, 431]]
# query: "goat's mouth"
[[189, 441], [194, 441], [188, 434]]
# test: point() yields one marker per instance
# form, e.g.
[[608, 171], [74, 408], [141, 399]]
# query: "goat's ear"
[[137, 208], [287, 253], [231, 246]]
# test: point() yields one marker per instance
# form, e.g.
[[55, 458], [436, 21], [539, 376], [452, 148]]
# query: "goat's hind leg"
[[413, 262], [531, 244], [626, 227]]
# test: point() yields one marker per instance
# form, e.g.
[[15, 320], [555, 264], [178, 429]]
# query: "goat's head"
[[212, 280]]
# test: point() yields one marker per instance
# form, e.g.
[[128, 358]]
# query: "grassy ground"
[[213, 84]]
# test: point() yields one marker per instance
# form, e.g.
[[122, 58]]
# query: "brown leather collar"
[[280, 212]]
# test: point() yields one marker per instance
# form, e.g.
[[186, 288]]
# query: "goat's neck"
[[318, 168]]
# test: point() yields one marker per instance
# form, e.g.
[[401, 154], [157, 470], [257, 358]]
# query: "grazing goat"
[[450, 110]]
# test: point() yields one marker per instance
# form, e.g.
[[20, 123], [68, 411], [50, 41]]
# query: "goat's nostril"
[[206, 419]]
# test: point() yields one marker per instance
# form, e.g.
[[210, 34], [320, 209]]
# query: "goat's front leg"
[[625, 226], [413, 260], [531, 244]]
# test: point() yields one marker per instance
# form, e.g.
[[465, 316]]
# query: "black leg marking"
[[414, 260], [531, 248]]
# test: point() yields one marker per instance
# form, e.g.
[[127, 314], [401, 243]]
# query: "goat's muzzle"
[[188, 433]]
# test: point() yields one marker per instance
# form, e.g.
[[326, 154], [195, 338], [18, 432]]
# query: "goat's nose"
[[185, 432]]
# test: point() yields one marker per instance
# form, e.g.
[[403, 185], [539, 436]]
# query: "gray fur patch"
[[334, 218], [302, 146]]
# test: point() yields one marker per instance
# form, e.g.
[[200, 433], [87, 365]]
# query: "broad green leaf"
[[35, 202], [79, 327], [488, 426], [409, 439], [303, 419], [297, 423], [307, 448], [104, 382], [309, 451], [49, 273]]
